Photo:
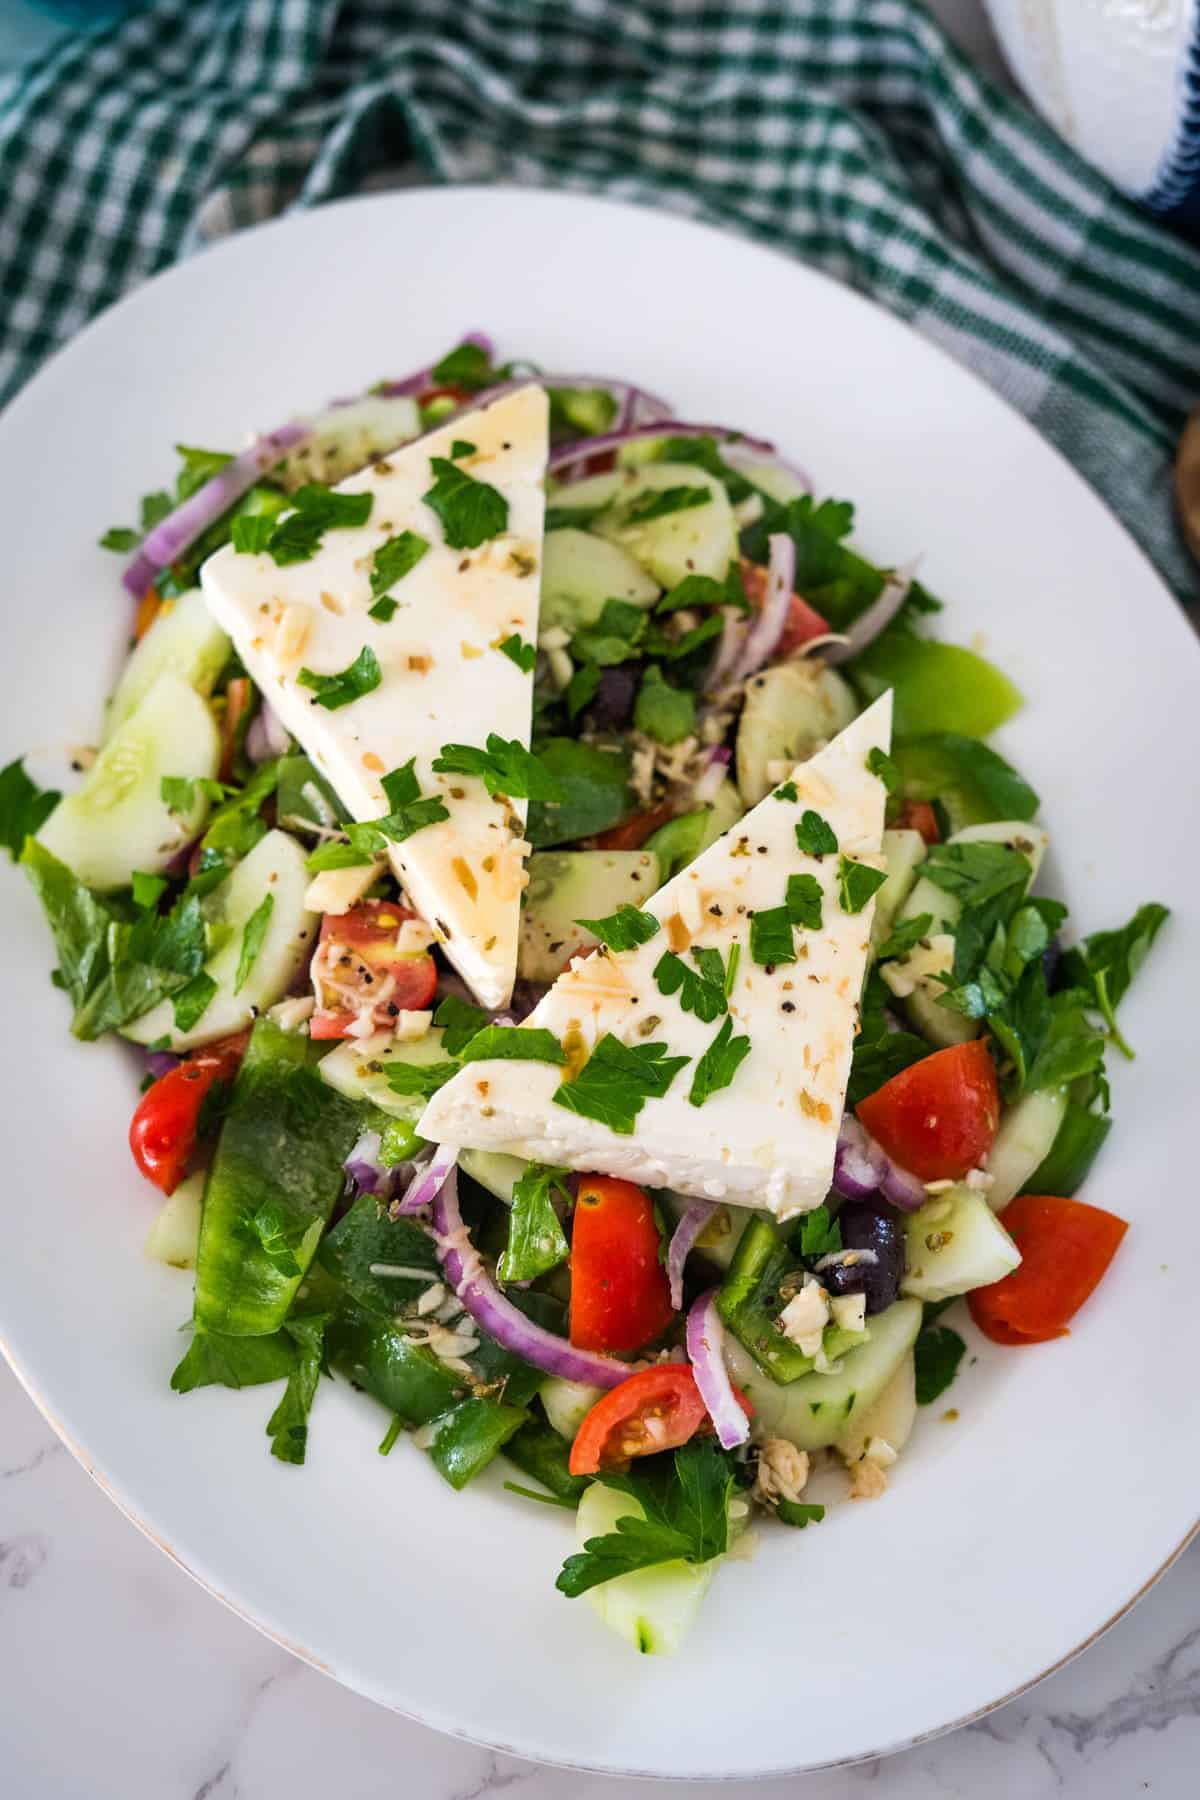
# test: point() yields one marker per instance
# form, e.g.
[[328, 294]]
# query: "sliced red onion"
[[683, 1240], [473, 1285], [180, 529], [863, 1168], [430, 1172], [161, 1062], [267, 736], [901, 1187], [423, 378], [706, 1348], [878, 616], [566, 454], [363, 1165], [762, 639], [729, 649]]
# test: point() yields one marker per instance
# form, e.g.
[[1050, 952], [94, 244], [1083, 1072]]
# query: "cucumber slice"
[[699, 540], [790, 711], [817, 1410], [184, 640], [568, 1403], [892, 1417], [358, 1069], [652, 1609], [174, 1236], [275, 866], [346, 438], [937, 1023], [591, 495], [498, 1173], [580, 571], [955, 1243], [118, 821], [566, 885], [905, 852], [776, 483], [1027, 1134]]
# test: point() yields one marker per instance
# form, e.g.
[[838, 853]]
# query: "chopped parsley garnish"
[[799, 1513], [702, 990], [1107, 961], [658, 504], [905, 936], [803, 902], [581, 689], [663, 712], [513, 1043], [505, 767], [617, 1080], [147, 889], [685, 1517], [460, 448], [563, 518], [191, 1002], [297, 537], [333, 691], [719, 1064], [393, 560], [624, 929], [24, 807], [336, 855], [819, 1234], [696, 591], [421, 1079], [384, 609], [120, 538], [815, 835], [252, 939], [937, 1353], [880, 763], [251, 533], [519, 652], [857, 883], [976, 873], [786, 791], [459, 1022], [535, 1236], [411, 811], [614, 638], [467, 365], [771, 940], [180, 792], [471, 511]]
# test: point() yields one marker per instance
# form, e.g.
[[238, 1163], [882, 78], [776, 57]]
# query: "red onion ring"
[[704, 788], [432, 1169], [762, 639], [862, 1168], [488, 1307], [267, 736], [683, 1240], [706, 1349], [878, 616]]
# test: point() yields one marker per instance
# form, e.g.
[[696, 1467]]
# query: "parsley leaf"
[[617, 1080], [536, 1243], [819, 1234], [253, 934], [771, 940], [384, 609], [660, 503], [462, 447], [1105, 963], [190, 1004], [179, 792], [1072, 1046], [663, 712], [411, 812], [905, 936], [467, 366], [394, 559], [362, 676], [595, 792], [785, 791], [879, 1051], [799, 1513], [814, 835], [615, 636], [623, 929], [120, 538], [24, 807], [147, 889], [287, 1427], [581, 689], [459, 1021], [336, 855], [682, 1514], [513, 1043], [471, 511], [976, 873], [693, 592], [719, 1064], [251, 533], [857, 883], [804, 900], [297, 536], [698, 991], [880, 763], [937, 1352], [421, 1079], [519, 652], [505, 767]]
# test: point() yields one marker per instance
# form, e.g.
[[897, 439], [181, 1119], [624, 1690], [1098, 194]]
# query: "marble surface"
[[120, 1679]]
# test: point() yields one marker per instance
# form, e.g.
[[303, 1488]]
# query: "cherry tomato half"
[[656, 1409], [162, 1132], [357, 962], [939, 1117]]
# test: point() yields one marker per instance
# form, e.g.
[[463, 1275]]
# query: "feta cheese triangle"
[[767, 1137], [443, 677]]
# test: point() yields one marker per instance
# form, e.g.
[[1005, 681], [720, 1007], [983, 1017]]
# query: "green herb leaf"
[[536, 1243], [879, 1052], [880, 763], [459, 1022], [280, 1233], [421, 1079], [179, 792], [24, 807], [799, 1513], [660, 503], [394, 559], [804, 901], [466, 366], [819, 1233], [685, 1508], [147, 889], [120, 538], [1105, 963], [253, 933], [190, 1004], [905, 936], [197, 467], [384, 609], [513, 1043], [1072, 1047], [336, 855], [615, 636], [505, 767], [215, 1360], [971, 780], [594, 789], [470, 511], [519, 652], [857, 883], [581, 689], [719, 1064], [624, 929], [663, 712], [976, 873], [617, 1080], [785, 791], [938, 1351], [698, 993], [362, 676], [815, 835], [319, 509], [694, 592], [771, 940], [460, 448], [287, 1427], [251, 533]]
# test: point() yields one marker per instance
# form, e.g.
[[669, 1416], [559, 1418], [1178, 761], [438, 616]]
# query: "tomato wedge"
[[918, 815], [803, 622], [162, 1132], [357, 962], [620, 1297], [1066, 1247], [939, 1117], [656, 1409], [632, 832]]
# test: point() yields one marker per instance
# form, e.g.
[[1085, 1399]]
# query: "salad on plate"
[[586, 960]]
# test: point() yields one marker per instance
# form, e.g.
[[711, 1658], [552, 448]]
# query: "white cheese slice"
[[445, 679], [768, 1139]]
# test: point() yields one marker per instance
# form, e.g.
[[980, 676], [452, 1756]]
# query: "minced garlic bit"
[[553, 638], [849, 1311], [804, 1318], [782, 1472], [290, 1015]]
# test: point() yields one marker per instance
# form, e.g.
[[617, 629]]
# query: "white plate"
[[1012, 1534]]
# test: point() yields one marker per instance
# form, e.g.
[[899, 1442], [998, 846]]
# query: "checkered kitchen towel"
[[848, 131]]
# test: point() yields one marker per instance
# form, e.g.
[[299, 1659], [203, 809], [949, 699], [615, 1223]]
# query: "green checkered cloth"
[[847, 131]]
